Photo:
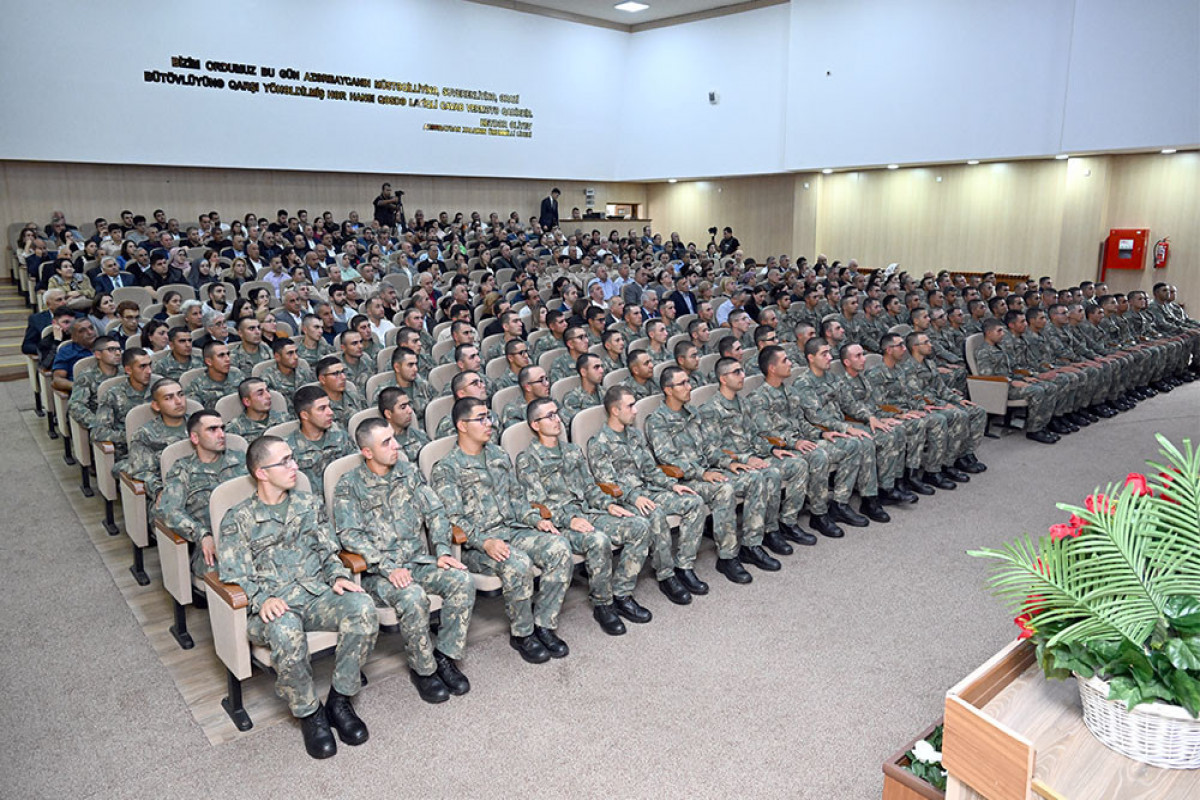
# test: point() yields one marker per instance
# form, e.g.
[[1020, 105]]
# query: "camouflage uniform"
[[205, 391], [359, 373], [420, 393], [886, 453], [563, 367], [866, 400], [509, 378], [624, 460], [250, 429], [385, 518], [445, 427], [891, 389], [313, 457], [288, 551], [868, 332], [947, 357], [82, 405], [109, 425], [145, 447], [245, 361], [771, 408], [1023, 355], [287, 385], [558, 477], [610, 363], [351, 403], [659, 356], [187, 487], [1054, 348], [542, 346], [577, 400], [169, 367], [483, 498], [513, 414], [991, 360], [412, 440], [853, 458], [679, 438], [737, 431], [643, 390], [966, 424], [314, 354]]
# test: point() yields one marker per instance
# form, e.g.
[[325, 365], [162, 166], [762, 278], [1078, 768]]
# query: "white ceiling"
[[603, 11]]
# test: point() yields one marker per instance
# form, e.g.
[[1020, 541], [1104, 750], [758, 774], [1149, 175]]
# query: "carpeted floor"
[[798, 685]]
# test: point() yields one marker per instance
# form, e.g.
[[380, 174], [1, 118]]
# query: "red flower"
[[1062, 531], [1138, 482], [1023, 623], [1077, 522], [1099, 504], [1167, 479]]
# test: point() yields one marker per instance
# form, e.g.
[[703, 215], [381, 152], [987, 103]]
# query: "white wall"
[[73, 60]]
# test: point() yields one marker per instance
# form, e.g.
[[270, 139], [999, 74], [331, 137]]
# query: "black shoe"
[[318, 738], [431, 688], [673, 588], [732, 569], [975, 462], [912, 482], [898, 496], [955, 475], [632, 610], [844, 513], [555, 646], [450, 674], [691, 581], [530, 648], [760, 558], [350, 729], [774, 542], [1106, 411], [1042, 436], [872, 509], [610, 623], [1061, 427], [1078, 420], [1162, 387], [794, 533], [964, 464], [1147, 392], [825, 525], [938, 481], [1089, 415]]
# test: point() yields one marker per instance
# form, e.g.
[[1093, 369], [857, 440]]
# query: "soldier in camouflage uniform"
[[219, 379], [258, 413], [516, 355], [576, 339], [188, 485], [619, 456], [641, 375], [1023, 355], [505, 535], [182, 357], [395, 407], [119, 400], [288, 373], [404, 376], [147, 442], [967, 421], [311, 346], [371, 347], [467, 384], [555, 474], [83, 402], [513, 329], [358, 369], [1047, 346], [687, 357], [278, 546], [588, 394], [868, 328], [678, 437], [990, 359], [612, 355], [1062, 348], [556, 323], [319, 441], [460, 333], [739, 434], [466, 358], [1089, 342], [534, 384], [384, 512], [656, 332], [952, 366], [250, 351], [344, 397]]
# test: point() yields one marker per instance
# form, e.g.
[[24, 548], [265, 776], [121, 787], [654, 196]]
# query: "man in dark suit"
[[54, 299], [110, 277], [685, 302], [548, 219]]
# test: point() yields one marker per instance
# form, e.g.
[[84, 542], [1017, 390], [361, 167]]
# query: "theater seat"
[[989, 391]]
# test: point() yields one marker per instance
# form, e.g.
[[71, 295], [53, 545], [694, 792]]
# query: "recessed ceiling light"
[[1168, 150], [631, 6], [826, 172], [973, 161], [672, 180], [893, 166], [1061, 157]]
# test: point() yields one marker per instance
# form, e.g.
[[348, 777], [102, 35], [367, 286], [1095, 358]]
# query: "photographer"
[[389, 207], [728, 244]]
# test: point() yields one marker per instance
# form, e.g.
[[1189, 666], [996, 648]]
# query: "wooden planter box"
[[899, 783]]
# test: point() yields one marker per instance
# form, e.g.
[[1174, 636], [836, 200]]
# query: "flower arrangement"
[[925, 760], [1114, 592]]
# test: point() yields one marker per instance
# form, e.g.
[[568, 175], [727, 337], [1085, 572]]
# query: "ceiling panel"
[[603, 11]]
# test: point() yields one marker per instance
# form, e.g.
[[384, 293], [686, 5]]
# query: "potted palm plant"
[[1112, 597]]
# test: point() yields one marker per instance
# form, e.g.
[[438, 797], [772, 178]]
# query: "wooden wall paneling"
[[805, 204], [759, 209], [1085, 210]]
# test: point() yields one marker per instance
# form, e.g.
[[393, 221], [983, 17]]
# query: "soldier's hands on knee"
[[805, 446], [646, 505], [757, 463], [450, 562], [208, 548], [616, 511], [580, 525], [497, 549], [712, 476], [546, 526], [737, 466], [273, 609], [399, 577], [779, 452], [343, 585]]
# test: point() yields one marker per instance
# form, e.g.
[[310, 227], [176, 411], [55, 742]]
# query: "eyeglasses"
[[290, 461], [520, 352], [542, 379], [548, 415], [684, 382], [486, 419], [334, 373]]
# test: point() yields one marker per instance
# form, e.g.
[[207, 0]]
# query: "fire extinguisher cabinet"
[[1125, 248]]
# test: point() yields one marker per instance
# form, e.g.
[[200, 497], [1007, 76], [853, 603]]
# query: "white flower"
[[923, 751]]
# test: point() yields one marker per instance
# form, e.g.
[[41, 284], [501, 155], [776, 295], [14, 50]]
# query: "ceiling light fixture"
[[1168, 150], [893, 166], [973, 161], [1061, 157], [672, 180], [631, 6], [826, 172]]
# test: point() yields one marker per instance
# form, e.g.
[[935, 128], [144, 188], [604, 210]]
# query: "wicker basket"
[[1154, 733]]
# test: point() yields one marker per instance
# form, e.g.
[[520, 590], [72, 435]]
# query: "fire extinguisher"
[[1162, 250]]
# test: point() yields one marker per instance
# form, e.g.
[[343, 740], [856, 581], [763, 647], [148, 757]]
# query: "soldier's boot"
[[351, 730], [794, 533], [760, 558], [430, 687], [450, 674], [873, 510], [955, 475], [913, 483], [691, 581], [844, 513], [530, 648], [969, 464], [608, 620], [631, 609], [732, 569], [555, 646], [318, 738], [825, 525], [896, 496], [938, 480], [775, 543], [674, 589]]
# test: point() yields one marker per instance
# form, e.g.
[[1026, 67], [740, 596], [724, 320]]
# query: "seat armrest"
[[136, 486], [777, 441], [671, 471], [458, 535], [610, 489], [353, 562], [545, 512], [233, 595], [890, 409], [992, 378], [162, 528], [106, 448]]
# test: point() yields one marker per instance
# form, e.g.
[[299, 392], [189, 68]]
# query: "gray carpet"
[[798, 685]]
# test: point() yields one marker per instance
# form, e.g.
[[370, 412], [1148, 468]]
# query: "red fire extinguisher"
[[1162, 250]]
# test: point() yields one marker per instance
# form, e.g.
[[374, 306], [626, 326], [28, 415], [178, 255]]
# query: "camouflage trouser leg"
[[937, 441], [721, 499], [351, 614], [692, 511], [1041, 405], [527, 548], [1057, 389], [751, 486], [889, 457], [958, 433], [818, 480], [845, 457], [457, 591], [868, 469], [956, 378], [632, 535], [596, 550], [976, 425], [915, 432], [773, 494], [793, 484]]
